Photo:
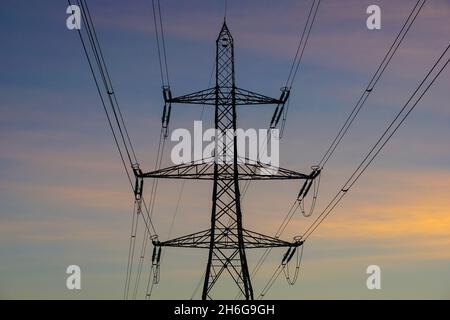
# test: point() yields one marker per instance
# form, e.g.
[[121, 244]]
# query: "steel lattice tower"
[[226, 216], [226, 239]]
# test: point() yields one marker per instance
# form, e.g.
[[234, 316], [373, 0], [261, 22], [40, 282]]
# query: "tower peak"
[[225, 34]]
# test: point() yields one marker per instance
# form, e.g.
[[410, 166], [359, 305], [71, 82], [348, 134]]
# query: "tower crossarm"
[[242, 97], [247, 171], [225, 239]]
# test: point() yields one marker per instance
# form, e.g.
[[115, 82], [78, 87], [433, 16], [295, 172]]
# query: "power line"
[[282, 267], [295, 64], [302, 44], [163, 42], [134, 224], [271, 281], [162, 56], [165, 83], [381, 142], [152, 202], [289, 82], [91, 68], [278, 233], [291, 280], [102, 68], [150, 283], [380, 70], [372, 154], [137, 212], [201, 117], [149, 230], [373, 81], [199, 283], [111, 85], [90, 30]]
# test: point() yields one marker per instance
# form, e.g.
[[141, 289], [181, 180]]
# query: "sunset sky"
[[64, 197]]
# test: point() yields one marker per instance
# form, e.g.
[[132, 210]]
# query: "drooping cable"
[[373, 81], [91, 67], [160, 42], [119, 121], [110, 84], [392, 128], [115, 108], [375, 78], [295, 65], [292, 279], [134, 225], [302, 43], [165, 82], [161, 28], [152, 202]]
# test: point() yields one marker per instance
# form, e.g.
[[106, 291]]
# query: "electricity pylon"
[[226, 239]]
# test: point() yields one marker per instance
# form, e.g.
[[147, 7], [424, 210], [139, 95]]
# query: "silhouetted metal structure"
[[226, 239]]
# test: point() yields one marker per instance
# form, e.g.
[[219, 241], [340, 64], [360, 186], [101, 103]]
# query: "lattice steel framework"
[[226, 239]]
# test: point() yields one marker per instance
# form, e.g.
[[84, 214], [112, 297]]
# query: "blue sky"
[[63, 194]]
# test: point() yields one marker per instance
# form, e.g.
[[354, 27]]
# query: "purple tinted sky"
[[63, 195]]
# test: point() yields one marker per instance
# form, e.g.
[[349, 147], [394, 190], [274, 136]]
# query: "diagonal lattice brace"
[[207, 96], [247, 97]]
